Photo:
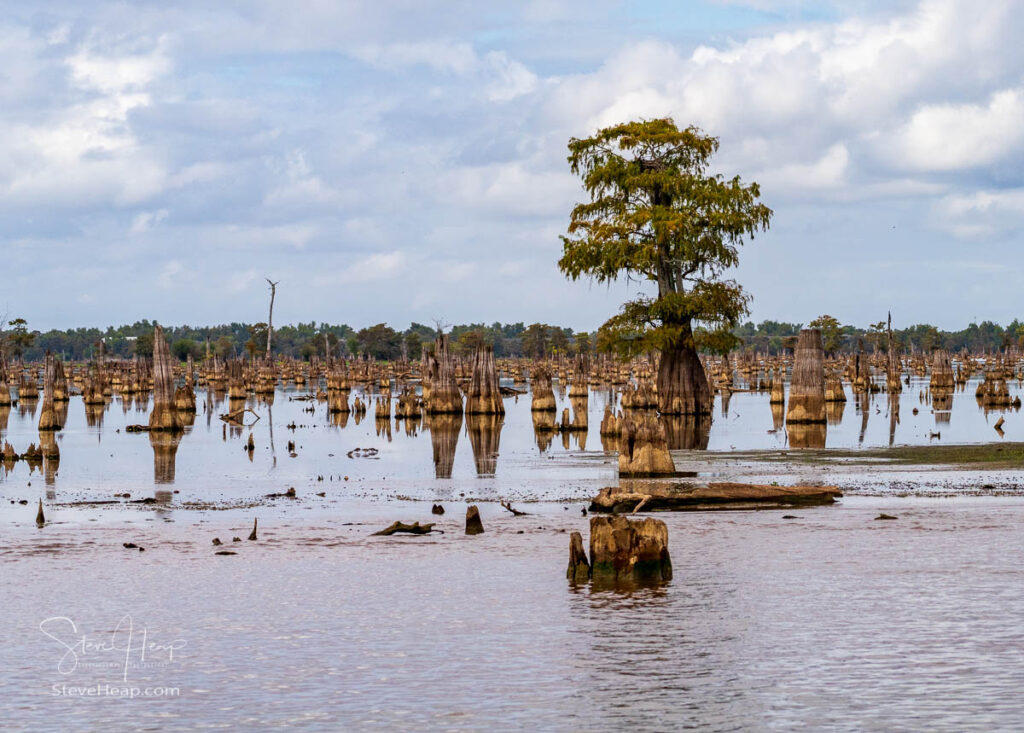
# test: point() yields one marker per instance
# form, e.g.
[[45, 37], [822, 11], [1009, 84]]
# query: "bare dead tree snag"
[[270, 316]]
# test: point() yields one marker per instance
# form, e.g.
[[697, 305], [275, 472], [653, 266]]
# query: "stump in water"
[[807, 385], [445, 398], [942, 372], [580, 413], [643, 448], [48, 415], [624, 550], [473, 523], [5, 385], [610, 424], [579, 386], [165, 416], [484, 397], [337, 402], [834, 391], [778, 394], [579, 568], [543, 399], [236, 380], [40, 517], [185, 395]]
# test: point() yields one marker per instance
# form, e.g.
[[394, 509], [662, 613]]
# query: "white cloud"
[[368, 268], [171, 274], [239, 282], [116, 73], [982, 213], [146, 220], [503, 77], [960, 137], [455, 58]]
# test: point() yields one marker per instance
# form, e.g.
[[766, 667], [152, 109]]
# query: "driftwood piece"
[[508, 506], [725, 495], [235, 416], [400, 527]]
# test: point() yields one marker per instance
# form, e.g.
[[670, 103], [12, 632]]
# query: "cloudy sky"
[[404, 160]]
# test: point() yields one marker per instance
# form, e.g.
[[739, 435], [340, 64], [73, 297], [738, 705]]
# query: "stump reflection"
[[484, 436], [165, 451], [444, 436]]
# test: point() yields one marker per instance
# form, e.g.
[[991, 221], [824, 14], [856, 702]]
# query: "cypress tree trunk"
[[682, 384]]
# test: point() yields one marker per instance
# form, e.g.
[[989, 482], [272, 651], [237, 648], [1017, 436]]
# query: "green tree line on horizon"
[[304, 340]]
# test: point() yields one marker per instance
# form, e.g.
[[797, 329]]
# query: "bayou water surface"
[[833, 620]]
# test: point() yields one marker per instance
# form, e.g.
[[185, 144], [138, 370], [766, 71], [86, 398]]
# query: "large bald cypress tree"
[[655, 213]]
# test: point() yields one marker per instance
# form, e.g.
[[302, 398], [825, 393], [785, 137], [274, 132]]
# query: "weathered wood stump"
[[543, 398], [473, 523], [807, 385], [643, 448], [48, 415], [165, 415], [444, 397], [484, 396], [624, 550], [579, 568]]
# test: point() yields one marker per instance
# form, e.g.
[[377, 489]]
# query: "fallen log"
[[415, 528], [725, 495], [236, 416], [508, 506]]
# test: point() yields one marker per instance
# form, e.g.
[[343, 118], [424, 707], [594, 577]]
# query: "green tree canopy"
[[144, 344], [831, 332], [20, 338], [656, 213]]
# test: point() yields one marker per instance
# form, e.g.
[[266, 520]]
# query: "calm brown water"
[[831, 621]]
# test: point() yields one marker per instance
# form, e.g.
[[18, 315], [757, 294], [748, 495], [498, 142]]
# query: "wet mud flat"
[[912, 470]]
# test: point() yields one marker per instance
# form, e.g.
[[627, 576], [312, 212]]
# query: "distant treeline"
[[775, 337], [301, 341], [304, 340]]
